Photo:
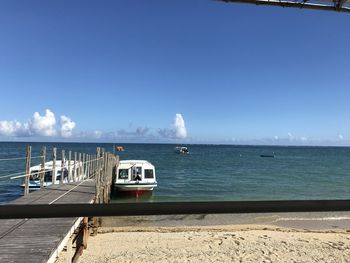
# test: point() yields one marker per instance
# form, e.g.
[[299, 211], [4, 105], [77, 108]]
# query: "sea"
[[210, 172]]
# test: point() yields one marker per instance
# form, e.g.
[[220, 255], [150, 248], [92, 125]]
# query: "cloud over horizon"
[[38, 125], [178, 129], [67, 126]]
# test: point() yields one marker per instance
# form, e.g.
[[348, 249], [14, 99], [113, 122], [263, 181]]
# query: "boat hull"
[[135, 189]]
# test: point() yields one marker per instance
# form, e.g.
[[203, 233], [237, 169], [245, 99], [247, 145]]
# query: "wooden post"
[[86, 231], [84, 166], [63, 162], [97, 183], [43, 160], [27, 172], [75, 167], [69, 253], [79, 168], [69, 166], [54, 157], [106, 175], [86, 175]]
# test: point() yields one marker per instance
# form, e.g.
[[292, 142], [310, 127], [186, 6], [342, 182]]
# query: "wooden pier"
[[41, 240]]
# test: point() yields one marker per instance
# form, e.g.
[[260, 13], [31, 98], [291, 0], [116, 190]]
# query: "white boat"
[[35, 172], [135, 177], [181, 149]]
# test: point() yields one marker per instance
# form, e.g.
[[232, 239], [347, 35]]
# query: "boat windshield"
[[123, 174], [136, 173], [148, 173]]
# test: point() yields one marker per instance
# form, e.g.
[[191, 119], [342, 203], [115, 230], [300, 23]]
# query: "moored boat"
[[135, 177], [35, 173]]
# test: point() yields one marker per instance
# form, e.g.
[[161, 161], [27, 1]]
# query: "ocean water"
[[214, 172]]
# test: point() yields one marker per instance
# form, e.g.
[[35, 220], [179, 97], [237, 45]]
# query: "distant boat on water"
[[119, 148], [268, 155], [181, 149]]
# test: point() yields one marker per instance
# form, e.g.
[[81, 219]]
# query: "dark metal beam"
[[295, 4], [170, 208], [340, 4]]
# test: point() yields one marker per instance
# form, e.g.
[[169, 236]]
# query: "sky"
[[173, 71]]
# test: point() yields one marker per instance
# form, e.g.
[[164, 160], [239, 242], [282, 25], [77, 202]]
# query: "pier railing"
[[74, 167], [171, 208]]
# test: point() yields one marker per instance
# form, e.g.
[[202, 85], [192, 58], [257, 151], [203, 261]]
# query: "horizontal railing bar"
[[170, 208], [295, 4]]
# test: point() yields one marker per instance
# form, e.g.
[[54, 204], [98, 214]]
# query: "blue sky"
[[122, 70]]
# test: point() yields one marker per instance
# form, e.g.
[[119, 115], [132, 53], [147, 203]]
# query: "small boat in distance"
[[135, 177], [268, 155], [181, 149], [119, 148], [35, 172]]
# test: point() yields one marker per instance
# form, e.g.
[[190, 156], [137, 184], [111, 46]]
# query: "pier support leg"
[[85, 231], [69, 254]]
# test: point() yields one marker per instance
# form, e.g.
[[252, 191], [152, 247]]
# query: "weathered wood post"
[[69, 166], [79, 167], [86, 231], [27, 173], [92, 167], [97, 183], [43, 160], [104, 177], [54, 157], [63, 161], [75, 167], [84, 166]]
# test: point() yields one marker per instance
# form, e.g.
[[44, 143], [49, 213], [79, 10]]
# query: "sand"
[[229, 243], [268, 237]]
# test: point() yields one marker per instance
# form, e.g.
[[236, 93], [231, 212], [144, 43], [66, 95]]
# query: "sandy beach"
[[291, 240], [229, 244]]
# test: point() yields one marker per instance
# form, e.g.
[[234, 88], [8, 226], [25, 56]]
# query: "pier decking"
[[40, 240]]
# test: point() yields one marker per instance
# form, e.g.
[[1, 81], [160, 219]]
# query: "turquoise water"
[[217, 172]]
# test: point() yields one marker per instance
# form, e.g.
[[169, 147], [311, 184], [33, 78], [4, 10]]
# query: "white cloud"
[[97, 134], [67, 126], [43, 125], [303, 139], [340, 137], [38, 125], [180, 128], [178, 131], [12, 128], [276, 137]]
